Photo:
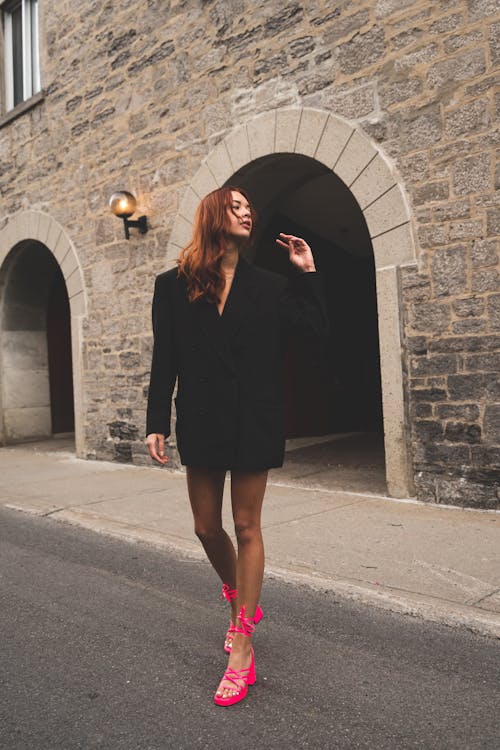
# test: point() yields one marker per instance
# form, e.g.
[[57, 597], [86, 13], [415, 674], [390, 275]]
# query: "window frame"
[[31, 85]]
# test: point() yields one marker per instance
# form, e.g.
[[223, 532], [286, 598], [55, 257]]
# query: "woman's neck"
[[230, 257]]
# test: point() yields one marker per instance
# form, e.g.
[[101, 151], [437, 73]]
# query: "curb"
[[399, 601]]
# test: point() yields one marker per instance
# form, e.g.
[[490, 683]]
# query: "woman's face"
[[239, 216]]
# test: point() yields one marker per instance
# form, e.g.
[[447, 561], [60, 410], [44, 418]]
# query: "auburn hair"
[[200, 261]]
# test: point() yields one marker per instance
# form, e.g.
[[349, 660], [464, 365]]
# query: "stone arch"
[[373, 180], [35, 225], [42, 228]]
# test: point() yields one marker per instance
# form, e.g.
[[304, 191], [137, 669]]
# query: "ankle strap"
[[247, 624], [228, 593]]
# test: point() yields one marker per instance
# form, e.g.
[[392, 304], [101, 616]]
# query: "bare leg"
[[206, 488], [247, 495]]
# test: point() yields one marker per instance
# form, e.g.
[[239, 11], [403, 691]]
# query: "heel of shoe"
[[252, 673], [259, 614]]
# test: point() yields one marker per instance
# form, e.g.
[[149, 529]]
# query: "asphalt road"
[[107, 644]]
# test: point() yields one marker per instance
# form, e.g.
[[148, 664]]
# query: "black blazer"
[[230, 400]]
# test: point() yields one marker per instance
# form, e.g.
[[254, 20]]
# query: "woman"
[[219, 327]]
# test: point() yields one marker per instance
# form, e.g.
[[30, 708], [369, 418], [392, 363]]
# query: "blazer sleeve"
[[303, 305], [163, 366]]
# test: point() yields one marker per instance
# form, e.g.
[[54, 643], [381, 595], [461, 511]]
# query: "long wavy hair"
[[200, 261]]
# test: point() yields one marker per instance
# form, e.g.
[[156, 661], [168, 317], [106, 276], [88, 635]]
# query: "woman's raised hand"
[[299, 252], [156, 447]]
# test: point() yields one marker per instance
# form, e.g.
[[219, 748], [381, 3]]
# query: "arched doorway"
[[35, 345], [39, 230], [377, 190], [333, 394]]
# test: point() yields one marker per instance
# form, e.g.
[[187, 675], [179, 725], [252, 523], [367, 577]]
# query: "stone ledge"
[[21, 108]]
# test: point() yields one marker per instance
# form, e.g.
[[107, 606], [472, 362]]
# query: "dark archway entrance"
[[36, 365], [334, 402]]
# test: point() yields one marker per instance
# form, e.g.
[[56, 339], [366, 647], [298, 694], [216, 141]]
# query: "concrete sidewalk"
[[440, 563]]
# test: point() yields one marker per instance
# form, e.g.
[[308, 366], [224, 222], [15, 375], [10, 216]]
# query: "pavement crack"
[[473, 602], [310, 515]]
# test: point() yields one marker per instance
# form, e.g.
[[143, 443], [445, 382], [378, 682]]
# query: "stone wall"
[[138, 93]]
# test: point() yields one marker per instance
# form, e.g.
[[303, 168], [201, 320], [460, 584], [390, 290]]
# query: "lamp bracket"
[[141, 224]]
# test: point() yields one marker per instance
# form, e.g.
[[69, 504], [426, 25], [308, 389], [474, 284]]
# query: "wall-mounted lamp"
[[123, 204]]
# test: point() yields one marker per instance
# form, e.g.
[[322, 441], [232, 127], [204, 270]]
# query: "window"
[[22, 69]]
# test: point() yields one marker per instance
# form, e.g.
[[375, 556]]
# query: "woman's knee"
[[247, 532], [207, 533]]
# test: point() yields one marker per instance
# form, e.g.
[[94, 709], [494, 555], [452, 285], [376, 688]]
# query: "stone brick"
[[483, 362], [302, 46], [320, 20], [286, 18], [459, 41], [361, 51], [487, 280], [478, 387], [472, 174], [436, 381], [269, 65], [493, 222], [494, 311], [465, 230], [433, 317], [468, 488], [479, 9], [416, 344], [428, 430], [415, 57], [433, 365], [492, 423], [432, 235], [449, 152], [453, 210], [483, 455], [484, 253], [385, 8], [123, 430], [446, 24], [431, 191], [460, 432], [428, 394], [415, 167], [458, 412], [451, 455], [448, 73], [480, 87], [468, 307], [420, 125], [494, 42], [470, 117], [407, 37], [469, 326], [422, 410], [352, 103], [449, 271], [347, 25], [465, 343]]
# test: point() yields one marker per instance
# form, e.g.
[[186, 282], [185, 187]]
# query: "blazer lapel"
[[242, 298], [219, 330]]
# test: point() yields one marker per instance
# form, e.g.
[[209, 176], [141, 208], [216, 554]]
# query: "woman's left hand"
[[299, 251]]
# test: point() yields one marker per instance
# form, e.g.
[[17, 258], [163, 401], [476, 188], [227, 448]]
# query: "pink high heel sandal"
[[229, 594], [247, 676]]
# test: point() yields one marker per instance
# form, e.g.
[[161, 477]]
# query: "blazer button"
[[201, 412]]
